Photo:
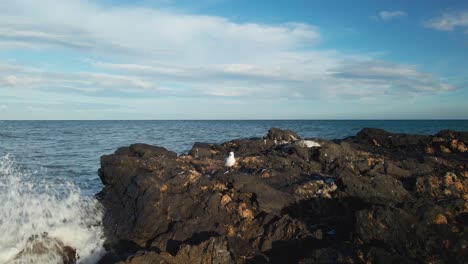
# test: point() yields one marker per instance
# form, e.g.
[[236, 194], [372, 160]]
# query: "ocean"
[[48, 169]]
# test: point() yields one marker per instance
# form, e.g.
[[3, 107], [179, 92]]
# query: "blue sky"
[[233, 59]]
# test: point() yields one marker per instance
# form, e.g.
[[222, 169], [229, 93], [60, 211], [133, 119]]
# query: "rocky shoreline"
[[376, 197]]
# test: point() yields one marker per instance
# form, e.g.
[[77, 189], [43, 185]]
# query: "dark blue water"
[[70, 150]]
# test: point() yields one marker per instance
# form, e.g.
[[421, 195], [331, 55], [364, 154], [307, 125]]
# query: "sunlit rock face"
[[369, 198]]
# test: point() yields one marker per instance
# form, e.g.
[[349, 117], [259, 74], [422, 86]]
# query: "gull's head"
[[231, 154]]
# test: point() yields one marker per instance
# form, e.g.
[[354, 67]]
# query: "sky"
[[233, 59]]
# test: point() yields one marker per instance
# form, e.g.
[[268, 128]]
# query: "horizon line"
[[2, 120]]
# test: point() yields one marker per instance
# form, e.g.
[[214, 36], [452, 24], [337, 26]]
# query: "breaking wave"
[[39, 218]]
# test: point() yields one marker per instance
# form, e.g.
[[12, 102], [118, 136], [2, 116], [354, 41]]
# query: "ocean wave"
[[50, 216], [8, 135]]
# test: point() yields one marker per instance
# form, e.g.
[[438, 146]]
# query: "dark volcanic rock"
[[381, 189], [43, 249], [283, 135], [382, 138], [377, 197]]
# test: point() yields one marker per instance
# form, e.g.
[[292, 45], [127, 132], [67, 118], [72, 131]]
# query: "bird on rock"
[[230, 161]]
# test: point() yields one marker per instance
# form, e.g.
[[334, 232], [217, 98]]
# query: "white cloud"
[[449, 21], [16, 81], [17, 76], [388, 15], [144, 31], [340, 76], [389, 78], [11, 80], [22, 34], [162, 52]]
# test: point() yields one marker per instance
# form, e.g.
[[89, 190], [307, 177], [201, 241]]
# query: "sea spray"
[[37, 212]]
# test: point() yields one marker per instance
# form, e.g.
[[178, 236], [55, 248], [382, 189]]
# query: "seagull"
[[230, 161]]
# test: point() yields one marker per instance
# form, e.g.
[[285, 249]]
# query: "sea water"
[[32, 206], [48, 169]]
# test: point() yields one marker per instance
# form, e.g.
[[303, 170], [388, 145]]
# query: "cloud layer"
[[148, 53], [389, 15], [450, 21]]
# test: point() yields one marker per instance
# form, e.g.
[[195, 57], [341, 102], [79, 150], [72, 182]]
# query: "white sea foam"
[[32, 207]]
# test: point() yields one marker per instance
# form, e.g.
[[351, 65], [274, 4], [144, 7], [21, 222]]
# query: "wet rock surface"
[[377, 197], [44, 249]]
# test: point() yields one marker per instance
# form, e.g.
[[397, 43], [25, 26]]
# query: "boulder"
[[282, 135], [45, 249]]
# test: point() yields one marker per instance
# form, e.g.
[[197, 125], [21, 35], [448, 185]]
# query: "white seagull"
[[230, 161]]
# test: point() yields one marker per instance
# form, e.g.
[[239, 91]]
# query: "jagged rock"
[[214, 250], [390, 226], [282, 135], [396, 171], [382, 138], [45, 249], [142, 257], [371, 198], [315, 188], [381, 189]]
